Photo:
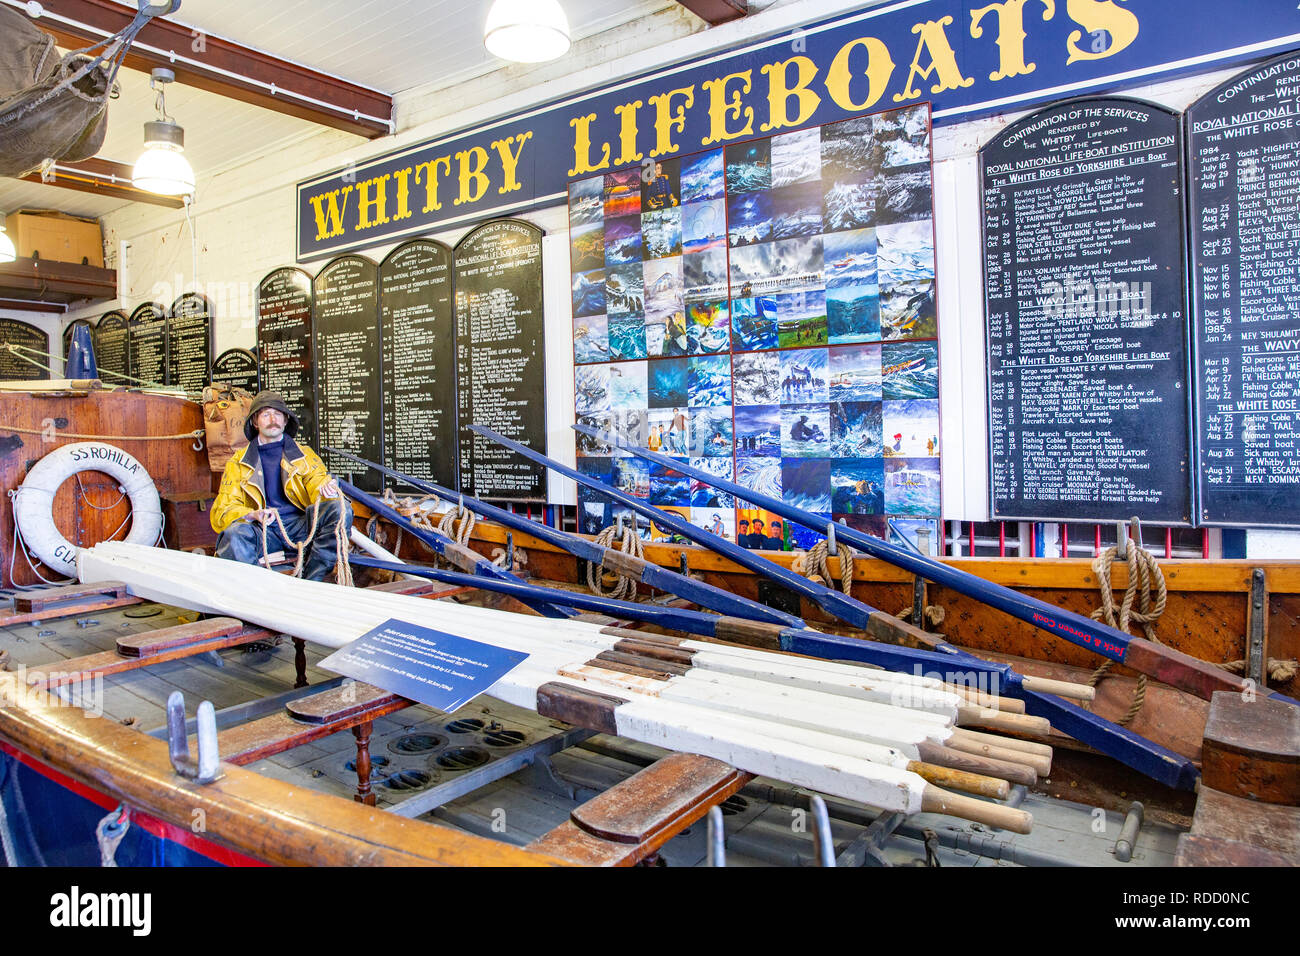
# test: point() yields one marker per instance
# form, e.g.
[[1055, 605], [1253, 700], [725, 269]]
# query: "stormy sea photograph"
[[589, 292], [704, 226], [849, 258], [591, 447], [796, 157], [663, 292], [912, 486], [591, 390], [910, 370], [702, 177], [856, 429], [858, 486], [804, 376], [797, 210], [622, 240], [753, 323], [711, 432], [905, 194], [708, 380], [756, 378], [749, 217], [905, 258], [586, 201], [758, 431], [853, 314], [705, 275], [806, 484], [661, 233], [627, 385], [624, 289], [789, 265], [904, 136], [627, 337], [749, 166], [762, 475], [855, 373], [667, 383], [704, 495], [850, 205], [806, 431], [847, 151], [590, 339]]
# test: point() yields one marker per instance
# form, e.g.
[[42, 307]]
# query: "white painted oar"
[[638, 717]]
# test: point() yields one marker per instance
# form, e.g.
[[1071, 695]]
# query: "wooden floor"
[[762, 828]]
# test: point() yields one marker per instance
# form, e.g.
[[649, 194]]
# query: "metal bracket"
[[1255, 639], [208, 766], [918, 602], [510, 551], [1128, 835]]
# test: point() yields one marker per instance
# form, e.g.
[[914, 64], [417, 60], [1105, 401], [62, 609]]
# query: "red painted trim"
[[1169, 543], [150, 824]]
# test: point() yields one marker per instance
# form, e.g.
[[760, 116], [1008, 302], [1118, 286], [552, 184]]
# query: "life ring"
[[34, 500]]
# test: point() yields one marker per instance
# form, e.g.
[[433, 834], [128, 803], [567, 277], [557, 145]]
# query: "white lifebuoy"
[[34, 501]]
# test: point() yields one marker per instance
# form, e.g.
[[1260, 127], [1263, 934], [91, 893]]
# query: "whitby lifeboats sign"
[[968, 58]]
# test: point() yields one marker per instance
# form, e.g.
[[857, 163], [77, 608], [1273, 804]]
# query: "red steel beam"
[[225, 68], [714, 12], [102, 177]]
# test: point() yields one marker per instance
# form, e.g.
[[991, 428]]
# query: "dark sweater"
[[272, 454]]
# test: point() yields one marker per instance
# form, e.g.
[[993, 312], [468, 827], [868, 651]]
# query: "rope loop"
[[621, 588], [1146, 587]]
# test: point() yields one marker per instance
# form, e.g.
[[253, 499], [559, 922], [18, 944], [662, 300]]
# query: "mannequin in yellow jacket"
[[247, 501]]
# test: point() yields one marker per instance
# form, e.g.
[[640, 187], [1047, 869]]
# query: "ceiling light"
[[7, 251], [162, 168], [526, 31]]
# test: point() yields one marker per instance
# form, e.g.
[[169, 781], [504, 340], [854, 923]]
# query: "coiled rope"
[[623, 587], [343, 568], [813, 564], [1146, 587]]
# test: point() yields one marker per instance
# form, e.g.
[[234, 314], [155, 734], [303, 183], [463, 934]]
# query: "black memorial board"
[[1244, 191], [13, 368], [149, 344], [113, 348], [419, 365], [1087, 317], [349, 400], [500, 360], [68, 331], [237, 367], [285, 349], [189, 343]]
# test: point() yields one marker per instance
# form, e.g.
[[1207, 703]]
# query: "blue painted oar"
[[1146, 657], [648, 573], [1137, 752], [471, 561]]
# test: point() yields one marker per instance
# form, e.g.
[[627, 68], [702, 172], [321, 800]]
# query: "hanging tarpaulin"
[[54, 107]]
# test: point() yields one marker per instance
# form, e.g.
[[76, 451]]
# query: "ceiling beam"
[[225, 68], [102, 177], [714, 12]]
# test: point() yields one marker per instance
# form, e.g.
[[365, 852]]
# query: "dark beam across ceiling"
[[714, 12], [226, 68], [102, 177]]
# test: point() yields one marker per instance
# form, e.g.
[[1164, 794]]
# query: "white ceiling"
[[389, 45]]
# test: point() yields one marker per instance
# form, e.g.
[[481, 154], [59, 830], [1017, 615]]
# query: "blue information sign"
[[430, 667]]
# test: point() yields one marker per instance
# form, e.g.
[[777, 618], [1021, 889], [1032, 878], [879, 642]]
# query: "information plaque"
[[1244, 185], [149, 344], [237, 367], [189, 343], [349, 398], [1087, 316], [419, 363], [13, 368], [500, 365], [113, 348], [284, 344]]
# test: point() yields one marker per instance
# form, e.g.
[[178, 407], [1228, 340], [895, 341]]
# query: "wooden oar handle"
[[934, 800], [980, 698], [997, 740], [1041, 765], [975, 783], [976, 763], [1060, 688], [969, 714]]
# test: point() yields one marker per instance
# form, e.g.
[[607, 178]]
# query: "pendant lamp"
[[162, 168], [526, 31]]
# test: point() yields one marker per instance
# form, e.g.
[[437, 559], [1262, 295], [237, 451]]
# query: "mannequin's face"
[[269, 424]]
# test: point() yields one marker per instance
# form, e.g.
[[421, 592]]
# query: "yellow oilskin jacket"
[[243, 487]]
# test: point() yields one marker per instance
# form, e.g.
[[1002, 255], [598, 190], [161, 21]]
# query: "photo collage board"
[[764, 311]]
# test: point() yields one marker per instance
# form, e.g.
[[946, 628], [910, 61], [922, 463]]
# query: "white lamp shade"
[[526, 31], [7, 251], [163, 169]]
